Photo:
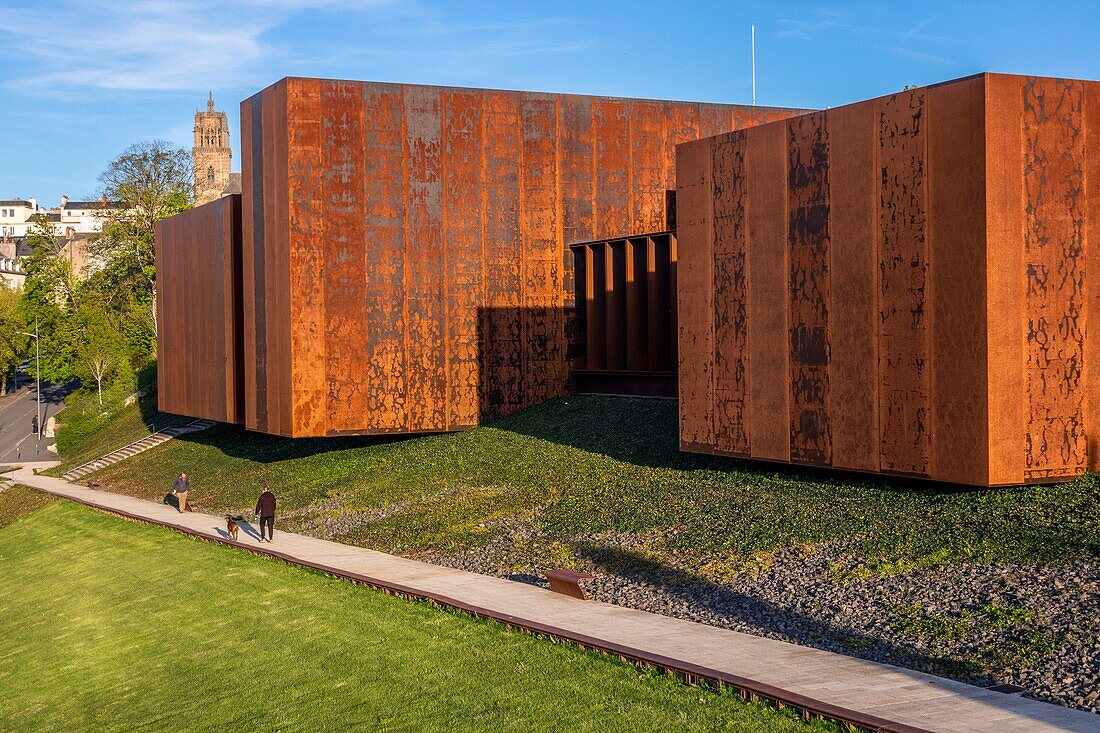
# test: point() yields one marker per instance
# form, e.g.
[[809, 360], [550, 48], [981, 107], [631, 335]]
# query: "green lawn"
[[112, 625], [18, 501], [571, 478]]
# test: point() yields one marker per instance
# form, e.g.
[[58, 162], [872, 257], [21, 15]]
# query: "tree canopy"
[[100, 325]]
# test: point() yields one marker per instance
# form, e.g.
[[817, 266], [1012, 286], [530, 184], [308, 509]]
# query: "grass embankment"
[[87, 430], [572, 478], [111, 625], [17, 501]]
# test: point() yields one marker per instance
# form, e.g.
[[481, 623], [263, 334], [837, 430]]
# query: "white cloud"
[[151, 45]]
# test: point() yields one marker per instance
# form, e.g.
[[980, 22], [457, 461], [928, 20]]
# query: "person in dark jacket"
[[265, 509], [180, 488]]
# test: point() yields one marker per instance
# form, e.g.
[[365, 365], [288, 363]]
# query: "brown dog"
[[231, 527]]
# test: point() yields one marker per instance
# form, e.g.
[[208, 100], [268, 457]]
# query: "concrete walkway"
[[879, 696]]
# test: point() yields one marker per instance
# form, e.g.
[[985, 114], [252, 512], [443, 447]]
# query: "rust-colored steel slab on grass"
[[918, 284], [199, 343], [406, 248]]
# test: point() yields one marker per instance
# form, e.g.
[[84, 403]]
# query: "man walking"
[[265, 508], [180, 488]]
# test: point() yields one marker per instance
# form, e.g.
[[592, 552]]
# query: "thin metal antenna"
[[753, 31]]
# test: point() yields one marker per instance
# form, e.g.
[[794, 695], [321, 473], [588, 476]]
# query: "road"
[[17, 410]]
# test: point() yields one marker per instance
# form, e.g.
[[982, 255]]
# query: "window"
[[210, 175]]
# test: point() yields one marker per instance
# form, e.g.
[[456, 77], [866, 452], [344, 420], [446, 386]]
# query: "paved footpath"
[[878, 695]]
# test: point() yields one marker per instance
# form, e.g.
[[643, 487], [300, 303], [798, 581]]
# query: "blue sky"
[[79, 81]]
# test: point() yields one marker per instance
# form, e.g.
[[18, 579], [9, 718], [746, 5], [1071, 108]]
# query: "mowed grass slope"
[[87, 430], [558, 479], [112, 625]]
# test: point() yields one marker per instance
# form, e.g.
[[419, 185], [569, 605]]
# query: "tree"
[[98, 353], [148, 182], [52, 272], [50, 295], [12, 345]]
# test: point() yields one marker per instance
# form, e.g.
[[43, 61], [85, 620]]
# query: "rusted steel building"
[[199, 312], [907, 285], [405, 261]]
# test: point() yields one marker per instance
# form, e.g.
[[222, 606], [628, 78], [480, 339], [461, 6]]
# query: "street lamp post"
[[38, 382]]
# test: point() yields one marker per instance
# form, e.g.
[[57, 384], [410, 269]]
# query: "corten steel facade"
[[908, 285], [405, 248], [199, 360], [626, 315]]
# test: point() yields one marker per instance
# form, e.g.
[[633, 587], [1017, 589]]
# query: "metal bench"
[[567, 582]]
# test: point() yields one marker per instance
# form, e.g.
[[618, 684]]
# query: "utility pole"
[[38, 378], [38, 383], [752, 30]]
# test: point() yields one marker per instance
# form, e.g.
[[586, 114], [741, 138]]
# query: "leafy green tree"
[[12, 346], [100, 349], [148, 182], [50, 295]]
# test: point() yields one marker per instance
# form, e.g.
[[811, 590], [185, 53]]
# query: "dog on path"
[[231, 528]]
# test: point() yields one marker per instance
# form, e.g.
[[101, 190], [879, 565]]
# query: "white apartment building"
[[69, 218], [16, 216]]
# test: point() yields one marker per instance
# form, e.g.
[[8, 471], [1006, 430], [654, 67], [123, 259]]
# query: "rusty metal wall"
[[624, 293], [916, 277], [406, 247], [199, 312]]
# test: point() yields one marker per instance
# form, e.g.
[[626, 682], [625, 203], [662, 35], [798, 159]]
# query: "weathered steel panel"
[[596, 305], [660, 299], [1054, 161], [578, 180], [768, 293], [383, 183], [1004, 278], [280, 315], [730, 302], [809, 287], [502, 340], [307, 261], [956, 233], [615, 302], [543, 303], [637, 306], [612, 167], [1091, 117], [342, 153], [254, 218], [853, 278], [649, 161], [695, 204], [426, 388], [200, 372], [903, 305], [463, 213]]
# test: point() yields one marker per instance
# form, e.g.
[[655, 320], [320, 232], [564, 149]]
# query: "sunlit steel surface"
[[899, 285]]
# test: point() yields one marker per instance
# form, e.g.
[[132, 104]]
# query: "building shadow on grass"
[[645, 432], [236, 442]]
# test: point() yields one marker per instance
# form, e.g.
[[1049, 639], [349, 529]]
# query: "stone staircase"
[[161, 436]]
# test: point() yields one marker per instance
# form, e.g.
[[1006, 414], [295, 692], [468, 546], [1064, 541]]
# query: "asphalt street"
[[17, 411]]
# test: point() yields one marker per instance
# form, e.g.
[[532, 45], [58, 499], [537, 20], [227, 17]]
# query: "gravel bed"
[[1036, 627]]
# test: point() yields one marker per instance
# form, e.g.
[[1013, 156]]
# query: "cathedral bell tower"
[[211, 154]]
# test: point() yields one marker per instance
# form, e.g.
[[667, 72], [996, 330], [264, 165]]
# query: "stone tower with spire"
[[211, 154]]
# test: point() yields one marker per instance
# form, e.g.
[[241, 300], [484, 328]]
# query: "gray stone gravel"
[[1037, 627]]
